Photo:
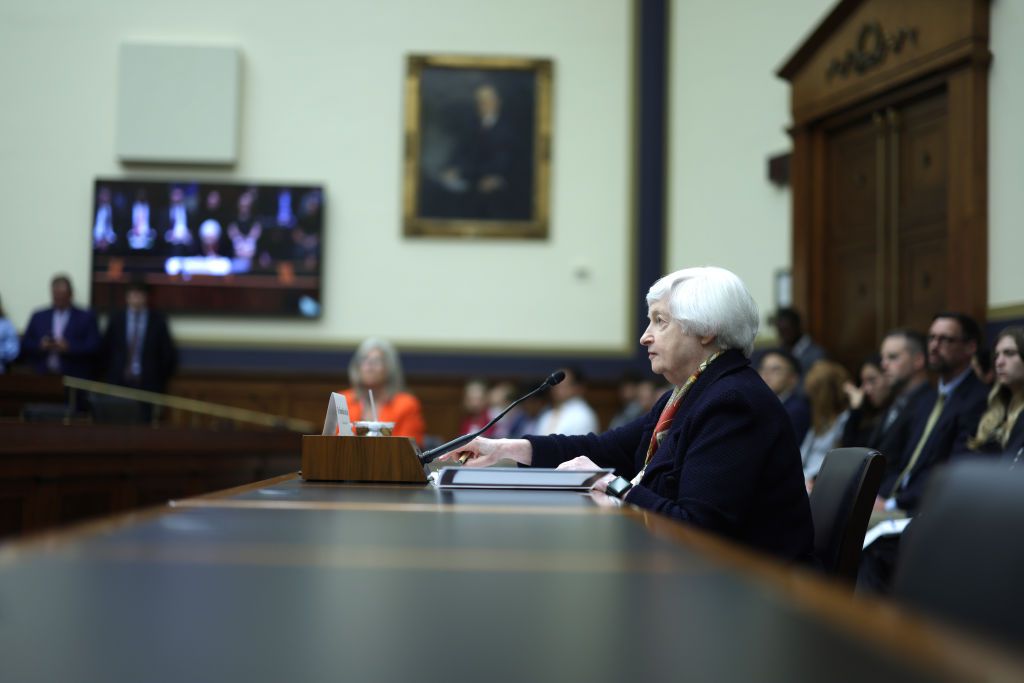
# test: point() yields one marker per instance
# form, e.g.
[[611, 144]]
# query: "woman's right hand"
[[484, 452]]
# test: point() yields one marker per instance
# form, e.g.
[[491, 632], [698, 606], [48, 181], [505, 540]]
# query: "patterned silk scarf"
[[669, 412]]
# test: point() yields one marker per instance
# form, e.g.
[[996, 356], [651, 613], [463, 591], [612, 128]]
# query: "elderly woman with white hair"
[[717, 451], [375, 367]]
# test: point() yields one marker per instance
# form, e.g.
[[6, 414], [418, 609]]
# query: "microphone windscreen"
[[555, 378]]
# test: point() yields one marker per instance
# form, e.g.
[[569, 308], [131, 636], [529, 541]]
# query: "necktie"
[[133, 347], [929, 425]]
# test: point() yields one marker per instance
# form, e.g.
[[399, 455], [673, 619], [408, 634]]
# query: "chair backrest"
[[962, 558], [841, 501]]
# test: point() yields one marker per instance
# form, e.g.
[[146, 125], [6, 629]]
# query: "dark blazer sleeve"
[[39, 326], [718, 476], [616, 448], [83, 335]]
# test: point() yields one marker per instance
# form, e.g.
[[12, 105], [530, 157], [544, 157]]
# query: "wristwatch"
[[618, 487]]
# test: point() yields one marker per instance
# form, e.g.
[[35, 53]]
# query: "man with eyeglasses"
[[940, 423], [941, 426]]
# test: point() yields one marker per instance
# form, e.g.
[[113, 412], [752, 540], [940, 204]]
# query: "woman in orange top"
[[375, 366]]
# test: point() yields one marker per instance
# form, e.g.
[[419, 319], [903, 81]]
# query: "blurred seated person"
[[62, 339], [717, 451], [1000, 430], [522, 419], [781, 372], [793, 339], [137, 346], [9, 344], [824, 386], [629, 385], [868, 402], [474, 406], [569, 412], [375, 367], [499, 397]]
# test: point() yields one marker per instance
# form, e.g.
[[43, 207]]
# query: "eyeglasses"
[[943, 339]]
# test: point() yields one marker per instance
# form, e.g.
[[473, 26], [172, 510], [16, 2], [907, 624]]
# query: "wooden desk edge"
[[935, 646]]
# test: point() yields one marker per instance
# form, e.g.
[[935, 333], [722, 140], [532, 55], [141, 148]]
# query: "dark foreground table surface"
[[288, 580]]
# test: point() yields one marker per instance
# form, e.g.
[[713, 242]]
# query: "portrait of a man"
[[477, 163]]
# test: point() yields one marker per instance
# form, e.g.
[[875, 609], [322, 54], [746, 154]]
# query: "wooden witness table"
[[287, 580]]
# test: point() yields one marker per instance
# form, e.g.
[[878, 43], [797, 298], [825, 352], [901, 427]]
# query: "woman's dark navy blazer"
[[728, 464]]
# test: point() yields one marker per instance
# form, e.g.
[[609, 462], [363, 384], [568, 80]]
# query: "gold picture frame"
[[477, 147]]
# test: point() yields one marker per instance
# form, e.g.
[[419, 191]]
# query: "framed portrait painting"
[[477, 147]]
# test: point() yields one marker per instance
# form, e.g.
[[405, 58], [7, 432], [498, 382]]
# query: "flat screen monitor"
[[209, 247]]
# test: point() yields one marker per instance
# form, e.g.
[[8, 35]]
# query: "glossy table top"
[[295, 581]]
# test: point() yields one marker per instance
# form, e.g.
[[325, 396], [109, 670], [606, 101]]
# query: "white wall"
[[322, 103], [729, 113], [1006, 156]]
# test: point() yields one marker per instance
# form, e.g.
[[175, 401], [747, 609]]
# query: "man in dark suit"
[[941, 426], [138, 348], [905, 364], [780, 370], [62, 339], [940, 422]]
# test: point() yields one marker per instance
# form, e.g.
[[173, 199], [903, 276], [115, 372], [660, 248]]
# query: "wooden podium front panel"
[[360, 458]]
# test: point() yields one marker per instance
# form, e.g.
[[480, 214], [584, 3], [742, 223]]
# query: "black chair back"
[[962, 558], [841, 501]]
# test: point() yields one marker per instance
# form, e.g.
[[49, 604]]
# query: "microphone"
[[434, 453]]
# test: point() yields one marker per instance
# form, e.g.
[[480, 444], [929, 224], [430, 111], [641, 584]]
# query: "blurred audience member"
[[629, 385], [868, 402], [9, 345], [474, 406], [1000, 430], [375, 366], [62, 339], [824, 386], [781, 372], [792, 337], [942, 425], [523, 418], [569, 413], [499, 397], [905, 364], [137, 345]]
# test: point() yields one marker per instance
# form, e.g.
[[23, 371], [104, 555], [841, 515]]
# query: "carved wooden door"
[[885, 241]]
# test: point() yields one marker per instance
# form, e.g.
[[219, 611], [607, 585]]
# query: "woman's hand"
[[484, 452], [854, 394], [582, 462]]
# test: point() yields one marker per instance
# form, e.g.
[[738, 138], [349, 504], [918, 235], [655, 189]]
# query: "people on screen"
[[717, 451], [375, 367]]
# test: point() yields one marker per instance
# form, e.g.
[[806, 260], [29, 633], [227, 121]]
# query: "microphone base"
[[391, 459]]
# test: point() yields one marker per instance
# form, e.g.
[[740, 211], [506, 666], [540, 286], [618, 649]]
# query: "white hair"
[[710, 301], [395, 378]]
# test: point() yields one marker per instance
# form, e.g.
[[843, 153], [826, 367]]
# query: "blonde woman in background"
[[823, 385], [375, 367], [1001, 430]]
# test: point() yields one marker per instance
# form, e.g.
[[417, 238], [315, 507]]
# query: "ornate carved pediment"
[[872, 48]]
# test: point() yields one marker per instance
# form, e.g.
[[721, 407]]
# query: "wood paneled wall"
[[305, 397]]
